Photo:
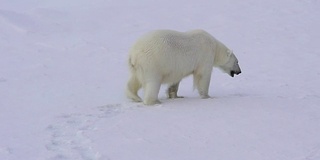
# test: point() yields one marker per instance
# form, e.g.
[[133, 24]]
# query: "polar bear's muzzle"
[[235, 70]]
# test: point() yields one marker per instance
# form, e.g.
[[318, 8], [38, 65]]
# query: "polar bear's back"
[[171, 53]]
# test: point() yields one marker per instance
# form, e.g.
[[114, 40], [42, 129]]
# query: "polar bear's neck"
[[221, 54]]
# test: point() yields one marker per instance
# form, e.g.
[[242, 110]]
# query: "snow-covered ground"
[[63, 73]]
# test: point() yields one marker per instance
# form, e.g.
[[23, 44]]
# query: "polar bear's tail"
[[131, 66]]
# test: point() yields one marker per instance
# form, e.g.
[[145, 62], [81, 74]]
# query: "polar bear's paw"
[[205, 96], [174, 96], [133, 97], [151, 102]]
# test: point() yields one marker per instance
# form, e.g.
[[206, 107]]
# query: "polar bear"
[[167, 56]]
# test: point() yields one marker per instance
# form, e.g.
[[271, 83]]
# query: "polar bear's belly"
[[175, 76]]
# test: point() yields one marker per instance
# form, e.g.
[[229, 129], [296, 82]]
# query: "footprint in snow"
[[68, 138]]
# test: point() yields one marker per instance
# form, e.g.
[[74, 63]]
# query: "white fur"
[[166, 56]]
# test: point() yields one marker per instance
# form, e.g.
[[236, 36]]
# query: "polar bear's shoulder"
[[164, 33], [197, 31]]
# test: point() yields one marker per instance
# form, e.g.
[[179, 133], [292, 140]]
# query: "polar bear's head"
[[231, 65]]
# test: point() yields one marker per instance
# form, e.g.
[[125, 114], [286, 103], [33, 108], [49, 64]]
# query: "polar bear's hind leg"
[[151, 91], [133, 87]]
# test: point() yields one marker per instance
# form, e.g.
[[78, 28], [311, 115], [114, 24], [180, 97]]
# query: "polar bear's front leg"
[[172, 91], [151, 91], [202, 82]]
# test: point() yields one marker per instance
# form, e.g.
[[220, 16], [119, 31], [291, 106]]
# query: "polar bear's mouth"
[[232, 73]]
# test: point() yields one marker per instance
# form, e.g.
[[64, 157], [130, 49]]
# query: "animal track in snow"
[[68, 136], [314, 154], [69, 140]]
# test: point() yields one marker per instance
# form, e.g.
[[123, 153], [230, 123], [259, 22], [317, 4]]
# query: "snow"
[[63, 73]]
